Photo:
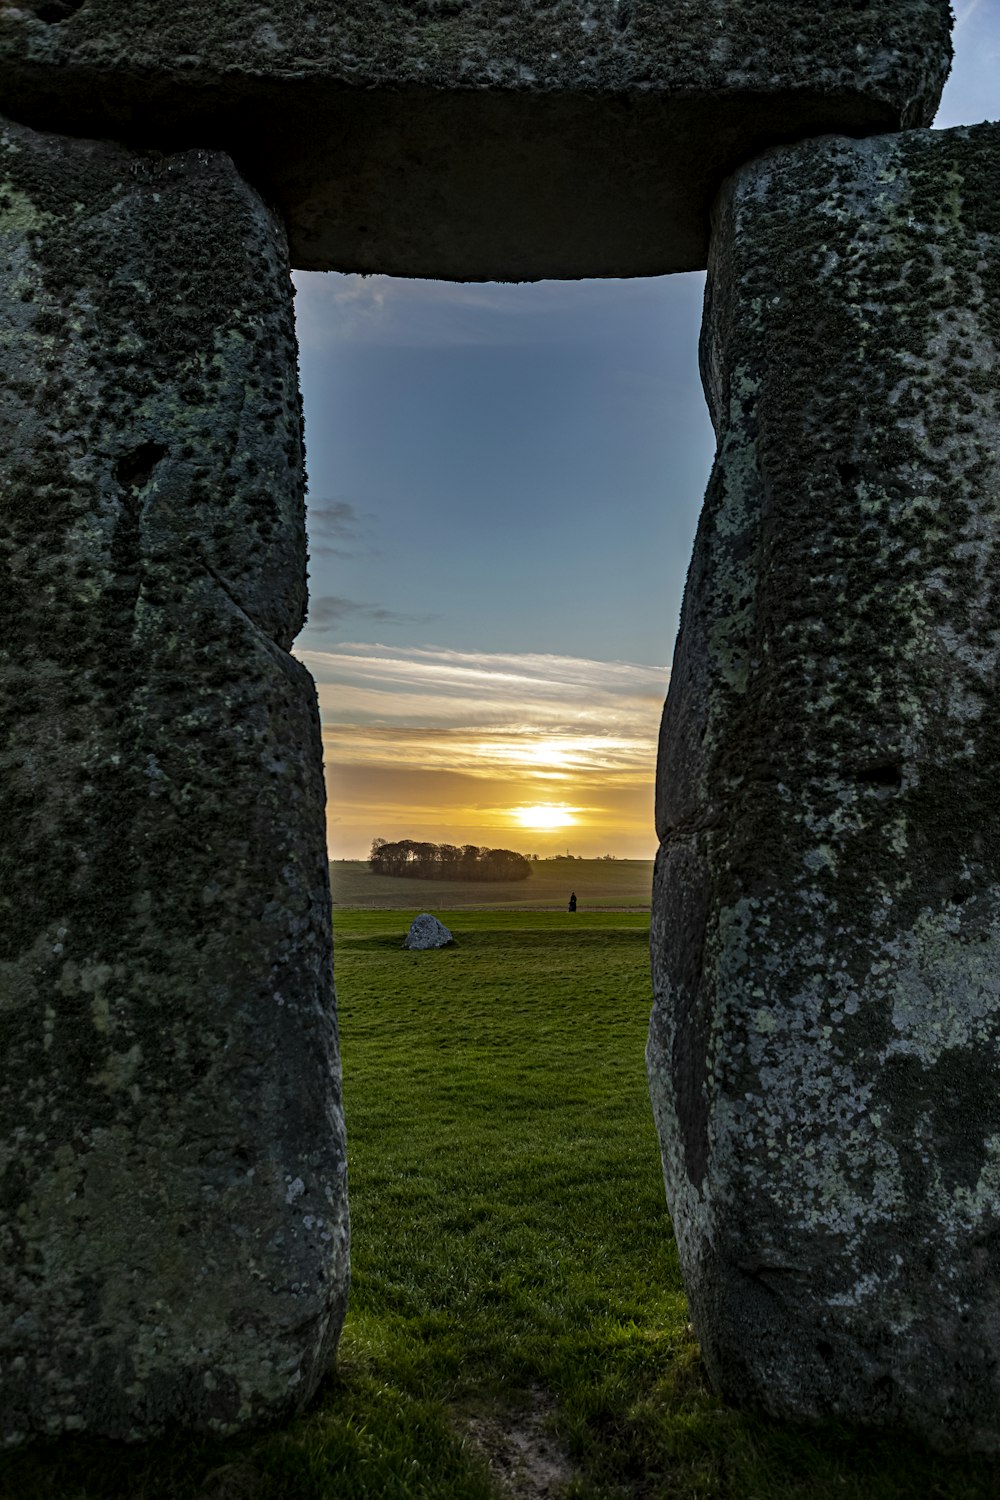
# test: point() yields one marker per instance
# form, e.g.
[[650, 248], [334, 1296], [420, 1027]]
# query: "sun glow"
[[544, 816], [497, 750], [547, 757]]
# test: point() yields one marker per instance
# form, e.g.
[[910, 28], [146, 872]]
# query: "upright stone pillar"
[[173, 1223], [825, 1046]]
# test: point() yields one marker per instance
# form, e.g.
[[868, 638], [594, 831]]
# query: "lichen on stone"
[[825, 1045], [483, 139], [163, 871]]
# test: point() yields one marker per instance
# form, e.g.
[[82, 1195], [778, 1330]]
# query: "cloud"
[[437, 686], [330, 609], [538, 719], [534, 758], [337, 529], [430, 742], [447, 664], [963, 13]]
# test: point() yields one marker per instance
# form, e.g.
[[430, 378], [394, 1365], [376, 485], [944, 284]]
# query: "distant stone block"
[[476, 138], [825, 1046], [173, 1220], [427, 932]]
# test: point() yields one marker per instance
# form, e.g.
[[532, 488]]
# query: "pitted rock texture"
[[427, 932], [173, 1223], [824, 1050], [479, 138]]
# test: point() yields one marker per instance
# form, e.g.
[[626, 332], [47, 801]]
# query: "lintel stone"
[[478, 139]]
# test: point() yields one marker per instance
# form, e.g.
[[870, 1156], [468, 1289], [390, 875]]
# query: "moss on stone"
[[170, 1058], [832, 715], [481, 138]]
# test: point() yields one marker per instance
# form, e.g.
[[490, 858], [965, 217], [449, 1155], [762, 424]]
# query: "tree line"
[[421, 861]]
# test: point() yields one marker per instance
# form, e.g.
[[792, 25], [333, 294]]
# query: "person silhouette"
[[572, 900]]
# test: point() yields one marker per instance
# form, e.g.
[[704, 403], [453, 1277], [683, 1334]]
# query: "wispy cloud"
[[331, 609], [965, 12], [434, 686], [428, 742], [550, 762], [337, 529]]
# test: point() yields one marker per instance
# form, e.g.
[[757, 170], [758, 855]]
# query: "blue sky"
[[504, 487]]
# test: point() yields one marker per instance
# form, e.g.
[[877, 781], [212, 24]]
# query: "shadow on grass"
[[370, 1439], [363, 1439]]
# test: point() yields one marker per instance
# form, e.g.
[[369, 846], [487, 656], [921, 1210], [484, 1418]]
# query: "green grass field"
[[516, 1297], [600, 884]]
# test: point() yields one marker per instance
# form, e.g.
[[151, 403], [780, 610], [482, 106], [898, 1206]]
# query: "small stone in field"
[[427, 932]]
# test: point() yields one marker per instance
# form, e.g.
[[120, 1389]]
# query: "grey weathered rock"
[[474, 138], [825, 1045], [173, 1228], [427, 932]]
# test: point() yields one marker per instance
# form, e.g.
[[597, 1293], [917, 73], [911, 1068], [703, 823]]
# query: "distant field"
[[611, 885]]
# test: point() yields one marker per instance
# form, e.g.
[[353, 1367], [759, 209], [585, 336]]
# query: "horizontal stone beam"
[[173, 1217], [825, 1044], [474, 139]]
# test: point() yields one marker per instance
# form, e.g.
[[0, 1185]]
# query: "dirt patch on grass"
[[525, 1460], [236, 1481]]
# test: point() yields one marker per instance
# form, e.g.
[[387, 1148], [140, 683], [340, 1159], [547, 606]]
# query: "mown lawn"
[[513, 1264]]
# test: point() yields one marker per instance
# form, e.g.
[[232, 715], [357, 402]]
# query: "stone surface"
[[427, 932], [825, 1045], [173, 1231], [476, 138]]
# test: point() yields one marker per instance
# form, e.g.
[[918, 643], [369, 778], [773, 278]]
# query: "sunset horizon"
[[540, 753]]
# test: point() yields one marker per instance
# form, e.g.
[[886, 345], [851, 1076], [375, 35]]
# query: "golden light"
[[549, 754], [544, 815], [544, 755]]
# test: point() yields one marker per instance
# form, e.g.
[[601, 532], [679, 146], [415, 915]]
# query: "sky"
[[504, 485]]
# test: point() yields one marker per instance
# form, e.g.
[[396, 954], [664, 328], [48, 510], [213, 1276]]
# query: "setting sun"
[[543, 816], [498, 750]]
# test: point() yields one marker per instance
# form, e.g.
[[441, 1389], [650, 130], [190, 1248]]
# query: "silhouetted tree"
[[422, 861]]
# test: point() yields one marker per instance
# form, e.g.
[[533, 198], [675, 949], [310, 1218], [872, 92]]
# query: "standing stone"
[[479, 139], [173, 1223], [824, 1051]]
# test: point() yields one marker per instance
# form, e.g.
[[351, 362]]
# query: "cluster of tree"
[[446, 861]]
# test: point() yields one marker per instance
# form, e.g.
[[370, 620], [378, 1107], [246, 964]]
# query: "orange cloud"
[[452, 746]]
